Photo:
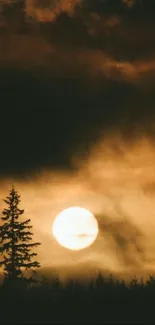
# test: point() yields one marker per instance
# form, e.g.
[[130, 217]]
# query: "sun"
[[75, 228]]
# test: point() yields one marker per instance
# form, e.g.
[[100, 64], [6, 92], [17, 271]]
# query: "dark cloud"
[[69, 71], [126, 35], [124, 239]]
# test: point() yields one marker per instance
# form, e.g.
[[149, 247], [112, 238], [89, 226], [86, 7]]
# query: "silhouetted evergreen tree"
[[15, 240]]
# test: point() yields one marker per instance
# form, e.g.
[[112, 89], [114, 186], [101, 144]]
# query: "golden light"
[[75, 228]]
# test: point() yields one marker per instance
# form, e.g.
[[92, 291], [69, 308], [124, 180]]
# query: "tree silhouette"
[[15, 240]]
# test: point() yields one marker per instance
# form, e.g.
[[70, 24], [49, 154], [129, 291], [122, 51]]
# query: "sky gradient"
[[77, 122]]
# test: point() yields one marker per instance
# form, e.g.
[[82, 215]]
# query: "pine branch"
[[24, 245]]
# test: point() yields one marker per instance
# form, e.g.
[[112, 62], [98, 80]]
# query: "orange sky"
[[115, 182], [110, 53]]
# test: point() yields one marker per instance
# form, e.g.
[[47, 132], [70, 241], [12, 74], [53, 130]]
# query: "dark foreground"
[[103, 301]]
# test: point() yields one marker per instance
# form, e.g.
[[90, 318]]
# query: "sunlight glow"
[[75, 228]]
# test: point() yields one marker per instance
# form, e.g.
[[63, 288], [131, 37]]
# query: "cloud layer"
[[115, 182], [77, 103]]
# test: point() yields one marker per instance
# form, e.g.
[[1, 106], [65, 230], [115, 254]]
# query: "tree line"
[[16, 245]]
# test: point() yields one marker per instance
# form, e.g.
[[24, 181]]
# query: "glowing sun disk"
[[75, 228]]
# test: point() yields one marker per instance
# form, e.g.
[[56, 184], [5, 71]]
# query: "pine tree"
[[16, 240]]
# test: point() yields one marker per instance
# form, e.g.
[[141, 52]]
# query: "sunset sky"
[[77, 113]]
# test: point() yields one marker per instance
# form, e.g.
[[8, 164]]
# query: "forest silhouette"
[[102, 301]]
